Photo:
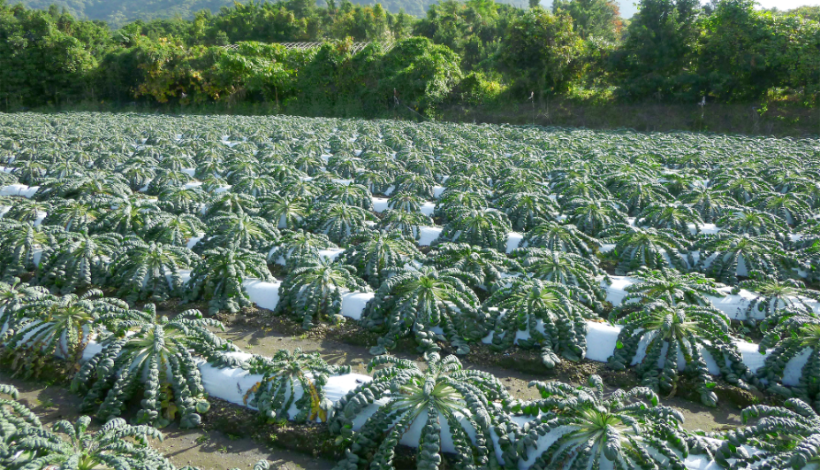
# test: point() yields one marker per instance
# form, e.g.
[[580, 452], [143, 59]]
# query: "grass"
[[773, 116]]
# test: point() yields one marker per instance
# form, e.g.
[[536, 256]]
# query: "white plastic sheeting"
[[19, 190]]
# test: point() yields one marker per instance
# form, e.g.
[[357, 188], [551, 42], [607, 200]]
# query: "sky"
[[628, 6]]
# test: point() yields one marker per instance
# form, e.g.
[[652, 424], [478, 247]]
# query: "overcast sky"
[[628, 6]]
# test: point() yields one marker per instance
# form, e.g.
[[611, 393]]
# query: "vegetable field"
[[686, 262]]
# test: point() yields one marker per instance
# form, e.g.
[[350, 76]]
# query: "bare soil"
[[233, 436], [259, 332]]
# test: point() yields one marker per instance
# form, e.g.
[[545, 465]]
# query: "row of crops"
[[449, 235]]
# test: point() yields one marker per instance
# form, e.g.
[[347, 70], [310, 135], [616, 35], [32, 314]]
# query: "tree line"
[[471, 53]]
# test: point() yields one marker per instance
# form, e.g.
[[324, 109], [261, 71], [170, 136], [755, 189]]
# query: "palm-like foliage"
[[72, 215], [284, 211], [15, 420], [13, 295], [240, 230], [78, 261], [149, 271], [592, 216], [165, 179], [137, 173], [622, 430], [343, 165], [791, 207], [709, 202], [555, 236], [312, 291], [174, 230], [298, 244], [231, 203], [46, 326], [24, 210], [301, 189], [442, 393], [638, 196], [406, 223], [87, 186], [579, 273], [405, 202], [478, 227], [340, 221], [219, 275], [672, 332], [375, 181], [527, 209], [451, 203], [486, 264], [414, 183], [645, 247], [752, 222], [351, 194], [115, 446], [377, 255], [182, 200], [581, 187], [670, 286], [284, 374], [22, 244], [788, 334], [721, 256], [423, 302], [153, 358], [544, 311], [675, 217], [787, 437], [254, 185], [772, 294], [742, 188], [128, 216]]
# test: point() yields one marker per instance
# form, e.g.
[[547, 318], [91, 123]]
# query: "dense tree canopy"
[[379, 60]]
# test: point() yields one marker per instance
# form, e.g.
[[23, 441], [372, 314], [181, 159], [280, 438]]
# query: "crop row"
[[529, 231]]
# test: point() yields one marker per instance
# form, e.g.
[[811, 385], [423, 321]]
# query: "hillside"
[[120, 12]]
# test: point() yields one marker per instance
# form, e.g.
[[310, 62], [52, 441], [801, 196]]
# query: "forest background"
[[675, 64]]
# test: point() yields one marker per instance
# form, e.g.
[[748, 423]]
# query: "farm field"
[[349, 294]]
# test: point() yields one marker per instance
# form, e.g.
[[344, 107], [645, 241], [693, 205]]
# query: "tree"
[[592, 18], [742, 51], [657, 57], [421, 72], [539, 49]]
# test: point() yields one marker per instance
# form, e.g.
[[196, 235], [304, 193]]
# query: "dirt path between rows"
[[258, 333]]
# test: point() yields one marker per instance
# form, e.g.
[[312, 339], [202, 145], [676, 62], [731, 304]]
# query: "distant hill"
[[119, 12]]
